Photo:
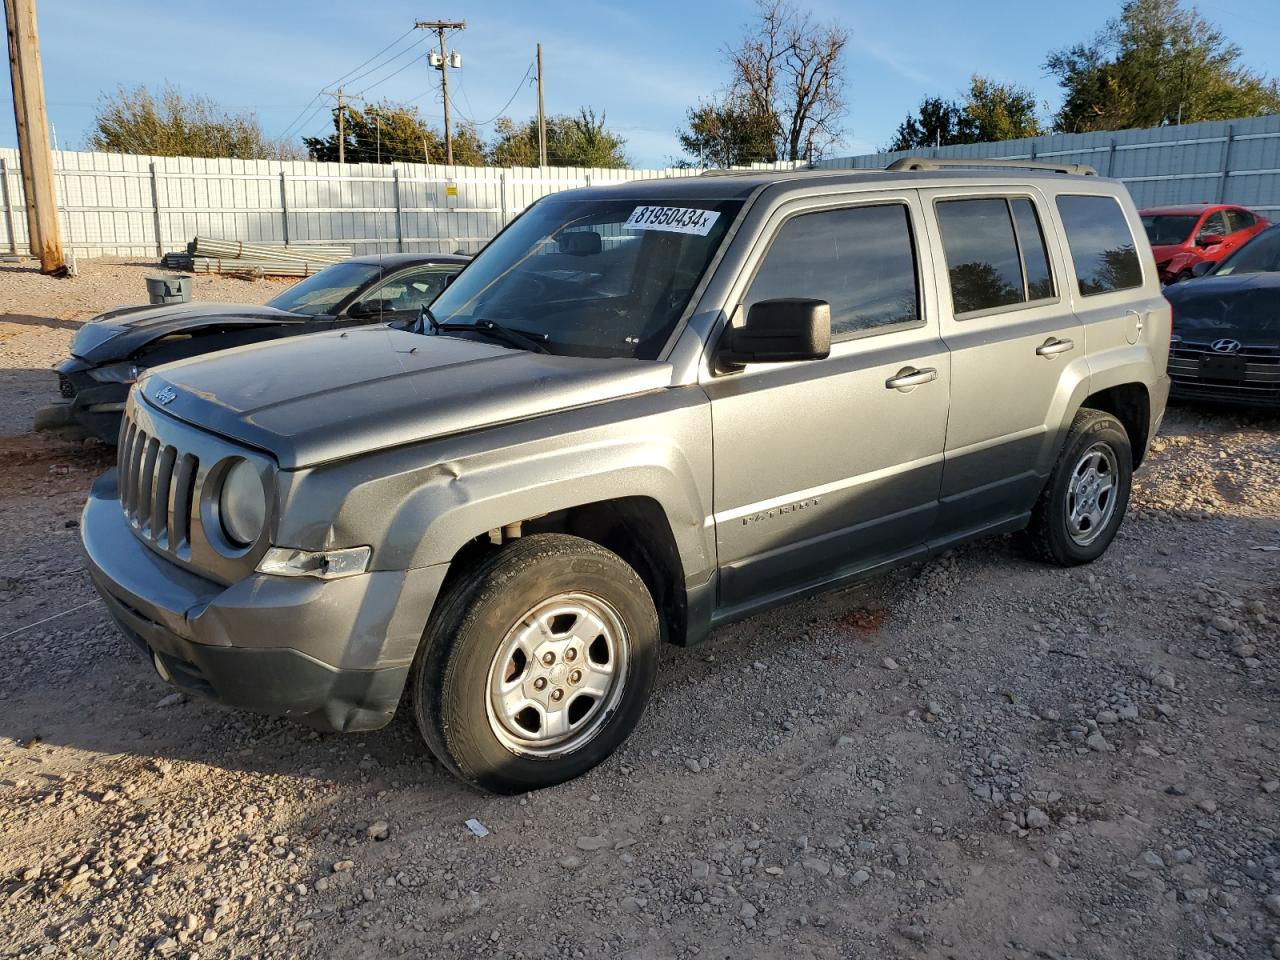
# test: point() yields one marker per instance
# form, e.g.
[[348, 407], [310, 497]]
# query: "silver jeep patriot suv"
[[642, 411]]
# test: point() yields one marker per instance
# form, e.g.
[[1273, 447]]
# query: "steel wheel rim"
[[557, 675], [1091, 494]]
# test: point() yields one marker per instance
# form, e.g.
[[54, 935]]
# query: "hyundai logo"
[[167, 395], [1226, 346]]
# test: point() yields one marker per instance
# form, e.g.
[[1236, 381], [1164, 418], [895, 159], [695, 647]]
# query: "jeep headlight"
[[242, 504]]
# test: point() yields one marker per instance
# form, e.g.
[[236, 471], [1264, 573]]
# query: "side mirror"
[[1203, 267], [1211, 239], [778, 331]]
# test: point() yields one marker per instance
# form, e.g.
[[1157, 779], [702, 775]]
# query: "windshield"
[[1164, 229], [1259, 255], [596, 278], [321, 293]]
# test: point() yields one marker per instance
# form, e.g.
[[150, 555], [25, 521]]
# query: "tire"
[[484, 648], [1062, 530], [1183, 276]]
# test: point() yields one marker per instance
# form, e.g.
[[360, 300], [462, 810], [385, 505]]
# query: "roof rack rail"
[[935, 163]]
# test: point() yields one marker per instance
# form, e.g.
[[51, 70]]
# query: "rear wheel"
[[537, 664], [1084, 501]]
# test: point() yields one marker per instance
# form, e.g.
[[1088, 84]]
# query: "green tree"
[[174, 124], [387, 132], [1157, 63], [578, 141], [729, 133], [1000, 111], [990, 111]]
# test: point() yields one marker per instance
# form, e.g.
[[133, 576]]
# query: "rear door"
[[1017, 352], [828, 467]]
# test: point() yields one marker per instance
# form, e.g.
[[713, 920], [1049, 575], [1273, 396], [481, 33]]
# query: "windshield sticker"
[[672, 220]]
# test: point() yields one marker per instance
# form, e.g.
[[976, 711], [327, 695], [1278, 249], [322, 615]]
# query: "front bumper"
[[332, 654], [89, 406]]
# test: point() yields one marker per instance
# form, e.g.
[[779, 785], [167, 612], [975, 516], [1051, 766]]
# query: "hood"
[[117, 334], [1244, 307], [332, 395]]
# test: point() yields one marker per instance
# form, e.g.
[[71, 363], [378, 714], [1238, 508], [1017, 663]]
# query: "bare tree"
[[790, 68]]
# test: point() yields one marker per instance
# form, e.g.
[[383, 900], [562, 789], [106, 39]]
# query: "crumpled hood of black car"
[[1244, 307], [119, 333]]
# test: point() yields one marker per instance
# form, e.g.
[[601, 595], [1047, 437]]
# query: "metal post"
[[1226, 162], [542, 117], [8, 207], [1111, 158], [395, 173], [284, 208], [155, 209], [502, 190]]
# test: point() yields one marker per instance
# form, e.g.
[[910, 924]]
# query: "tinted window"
[[1035, 259], [1259, 255], [982, 254], [861, 260], [1102, 247]]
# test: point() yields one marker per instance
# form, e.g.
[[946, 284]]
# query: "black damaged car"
[[1226, 328], [109, 352]]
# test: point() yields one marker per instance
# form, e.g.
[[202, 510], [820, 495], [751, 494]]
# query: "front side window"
[[406, 292], [860, 260], [1215, 225], [592, 277], [996, 255], [1102, 247]]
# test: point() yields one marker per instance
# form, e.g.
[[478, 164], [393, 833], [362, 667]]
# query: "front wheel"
[[1084, 501], [537, 664]]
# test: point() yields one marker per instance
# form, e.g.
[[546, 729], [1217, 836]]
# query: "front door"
[[826, 468]]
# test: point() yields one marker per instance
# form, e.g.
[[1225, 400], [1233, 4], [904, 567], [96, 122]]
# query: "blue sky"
[[641, 63]]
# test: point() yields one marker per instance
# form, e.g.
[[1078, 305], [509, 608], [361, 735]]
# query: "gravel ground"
[[980, 757]]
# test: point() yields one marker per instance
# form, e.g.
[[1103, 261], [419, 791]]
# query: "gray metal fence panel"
[[1236, 161], [124, 205]]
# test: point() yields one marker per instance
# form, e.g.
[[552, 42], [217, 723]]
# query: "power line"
[[320, 93], [391, 59], [503, 110], [406, 66]]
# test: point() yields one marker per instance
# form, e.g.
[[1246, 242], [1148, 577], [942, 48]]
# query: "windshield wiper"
[[525, 340]]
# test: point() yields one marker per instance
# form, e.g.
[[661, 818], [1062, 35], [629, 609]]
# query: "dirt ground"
[[980, 757]]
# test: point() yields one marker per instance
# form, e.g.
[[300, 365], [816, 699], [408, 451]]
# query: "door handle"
[[911, 377], [1053, 346]]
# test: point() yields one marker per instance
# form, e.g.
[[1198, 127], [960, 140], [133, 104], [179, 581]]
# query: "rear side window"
[[1239, 220], [861, 260], [1102, 247], [995, 251]]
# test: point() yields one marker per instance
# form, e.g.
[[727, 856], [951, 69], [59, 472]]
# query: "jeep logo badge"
[[166, 396], [1225, 345]]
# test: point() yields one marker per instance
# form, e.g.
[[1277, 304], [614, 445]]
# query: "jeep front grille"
[[157, 489]]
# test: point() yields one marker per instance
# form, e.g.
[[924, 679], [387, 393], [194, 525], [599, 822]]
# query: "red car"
[[1194, 233]]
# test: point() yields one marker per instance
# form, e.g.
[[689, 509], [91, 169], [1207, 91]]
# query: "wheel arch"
[[1130, 403]]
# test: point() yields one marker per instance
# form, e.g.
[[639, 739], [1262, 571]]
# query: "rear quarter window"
[[1102, 246]]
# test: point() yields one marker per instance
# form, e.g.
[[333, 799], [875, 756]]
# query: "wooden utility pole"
[[32, 123], [342, 123], [542, 117], [441, 27]]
